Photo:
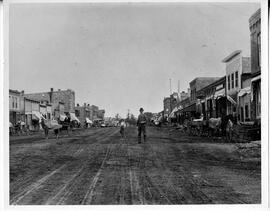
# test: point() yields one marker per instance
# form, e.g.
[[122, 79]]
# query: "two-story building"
[[15, 106], [32, 113], [237, 71], [62, 101], [83, 113], [255, 43]]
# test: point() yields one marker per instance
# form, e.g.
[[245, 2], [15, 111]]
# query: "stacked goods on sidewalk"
[[246, 132]]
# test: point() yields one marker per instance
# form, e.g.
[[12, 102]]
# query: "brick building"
[[55, 98], [169, 103], [255, 43], [101, 114], [94, 112], [166, 107], [83, 112]]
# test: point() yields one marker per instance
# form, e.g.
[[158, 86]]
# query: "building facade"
[[255, 43], [237, 68], [83, 112], [67, 97], [15, 106], [167, 107], [211, 100]]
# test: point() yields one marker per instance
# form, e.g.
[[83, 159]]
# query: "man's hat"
[[141, 109]]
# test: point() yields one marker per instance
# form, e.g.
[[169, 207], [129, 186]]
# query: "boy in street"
[[122, 128], [141, 126]]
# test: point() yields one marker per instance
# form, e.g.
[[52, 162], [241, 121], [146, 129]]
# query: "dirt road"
[[96, 166]]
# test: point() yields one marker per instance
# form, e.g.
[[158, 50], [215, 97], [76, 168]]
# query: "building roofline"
[[31, 100], [254, 16], [233, 54], [197, 78], [214, 83], [14, 91]]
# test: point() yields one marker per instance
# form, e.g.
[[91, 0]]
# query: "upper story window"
[[13, 102], [229, 82], [259, 49], [236, 79], [232, 79], [16, 102]]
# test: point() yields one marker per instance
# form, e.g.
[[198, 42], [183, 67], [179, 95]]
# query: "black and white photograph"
[[135, 103]]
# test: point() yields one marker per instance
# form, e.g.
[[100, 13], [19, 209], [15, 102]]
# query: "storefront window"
[[236, 79], [258, 100], [259, 48], [246, 111], [229, 82], [13, 103], [232, 80]]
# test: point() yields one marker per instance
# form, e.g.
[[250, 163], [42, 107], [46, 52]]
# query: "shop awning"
[[244, 91], [231, 100], [73, 117], [159, 119], [37, 115], [88, 120], [62, 117], [172, 114], [219, 93], [256, 78], [190, 108]]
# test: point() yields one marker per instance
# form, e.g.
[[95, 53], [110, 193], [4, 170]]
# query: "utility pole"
[[170, 86], [179, 94], [170, 96]]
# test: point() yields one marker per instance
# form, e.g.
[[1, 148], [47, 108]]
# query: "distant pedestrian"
[[122, 128], [141, 126]]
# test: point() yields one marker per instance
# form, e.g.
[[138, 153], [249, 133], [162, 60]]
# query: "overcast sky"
[[121, 56]]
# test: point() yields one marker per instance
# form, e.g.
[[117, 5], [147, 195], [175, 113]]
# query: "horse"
[[50, 125], [214, 126], [66, 125]]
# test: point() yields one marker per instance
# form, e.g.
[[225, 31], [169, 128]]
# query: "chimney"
[[22, 93], [51, 93]]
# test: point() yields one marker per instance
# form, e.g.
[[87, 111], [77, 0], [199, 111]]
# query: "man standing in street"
[[141, 126]]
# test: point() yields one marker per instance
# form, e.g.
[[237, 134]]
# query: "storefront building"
[[255, 42], [15, 107], [211, 100], [236, 66]]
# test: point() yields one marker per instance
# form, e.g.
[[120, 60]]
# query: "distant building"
[[101, 114], [237, 72], [15, 106], [166, 107], [83, 112], [94, 112], [32, 113], [65, 97], [211, 100], [183, 95], [195, 85], [255, 41]]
